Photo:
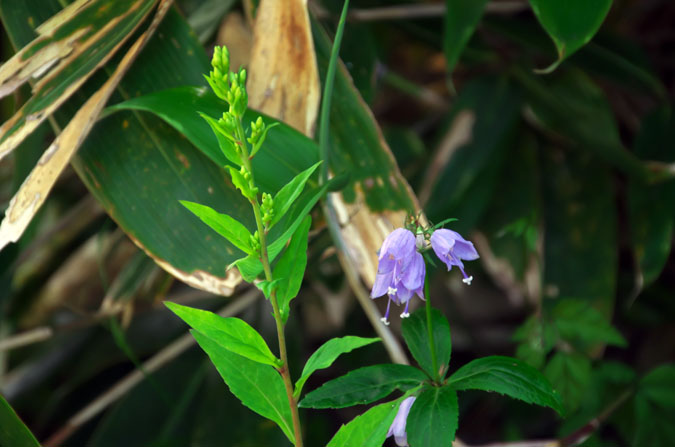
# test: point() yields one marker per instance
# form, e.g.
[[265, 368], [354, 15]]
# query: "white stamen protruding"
[[391, 291], [468, 280], [384, 320], [405, 315]]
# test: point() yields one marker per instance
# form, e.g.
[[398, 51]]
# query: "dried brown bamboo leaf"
[[38, 184], [283, 77], [65, 42]]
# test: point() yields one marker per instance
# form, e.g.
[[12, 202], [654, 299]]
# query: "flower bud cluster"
[[267, 208], [217, 77], [254, 240]]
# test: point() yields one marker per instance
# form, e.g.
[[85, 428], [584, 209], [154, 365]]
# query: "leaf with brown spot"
[[283, 77], [69, 48]]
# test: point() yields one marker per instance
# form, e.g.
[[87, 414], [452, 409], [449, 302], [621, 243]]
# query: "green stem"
[[430, 331], [264, 258]]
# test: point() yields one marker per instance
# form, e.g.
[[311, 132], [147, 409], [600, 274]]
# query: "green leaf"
[[287, 195], [652, 221], [240, 183], [228, 227], [259, 387], [415, 333], [570, 373], [356, 142], [461, 18], [482, 123], [363, 385], [433, 418], [266, 287], [512, 219], [537, 338], [286, 155], [250, 267], [369, 429], [326, 355], [655, 408], [579, 207], [577, 320], [225, 144], [291, 268], [573, 106], [13, 432], [231, 333], [507, 376], [658, 386], [571, 23]]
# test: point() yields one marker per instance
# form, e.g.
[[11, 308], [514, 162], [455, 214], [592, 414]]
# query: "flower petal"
[[465, 250], [398, 426], [400, 243], [382, 283], [413, 277]]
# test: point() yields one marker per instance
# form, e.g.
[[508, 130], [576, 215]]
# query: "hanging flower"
[[400, 271], [398, 426], [452, 249]]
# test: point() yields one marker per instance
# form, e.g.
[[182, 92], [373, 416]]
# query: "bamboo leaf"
[[69, 48], [35, 189]]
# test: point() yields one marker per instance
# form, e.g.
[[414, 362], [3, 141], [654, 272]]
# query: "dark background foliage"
[[563, 181]]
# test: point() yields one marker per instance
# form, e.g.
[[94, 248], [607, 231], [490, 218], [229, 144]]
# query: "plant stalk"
[[430, 331], [264, 258]]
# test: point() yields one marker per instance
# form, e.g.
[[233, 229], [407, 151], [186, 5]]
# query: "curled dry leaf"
[[42, 178], [283, 78], [69, 48]]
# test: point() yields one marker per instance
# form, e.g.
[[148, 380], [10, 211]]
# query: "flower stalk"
[[264, 259], [231, 87], [430, 332]]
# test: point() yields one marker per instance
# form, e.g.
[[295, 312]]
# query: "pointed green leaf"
[[363, 386], [266, 287], [231, 229], [13, 432], [570, 374], [461, 18], [570, 23], [414, 330], [240, 183], [326, 355], [651, 217], [287, 195], [506, 375], [369, 429], [433, 418], [577, 320], [259, 387], [291, 267], [226, 144], [250, 267], [231, 333]]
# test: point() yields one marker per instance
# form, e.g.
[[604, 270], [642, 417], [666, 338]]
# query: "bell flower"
[[398, 426], [452, 249], [400, 271]]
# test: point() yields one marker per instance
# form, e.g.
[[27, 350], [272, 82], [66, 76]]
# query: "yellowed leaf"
[[283, 76], [47, 57], [38, 184]]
